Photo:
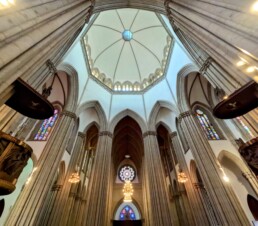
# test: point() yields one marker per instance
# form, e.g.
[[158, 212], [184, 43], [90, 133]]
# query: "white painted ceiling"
[[127, 65]]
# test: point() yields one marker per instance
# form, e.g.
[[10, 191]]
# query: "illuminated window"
[[207, 126], [46, 127], [245, 126], [127, 173], [127, 213]]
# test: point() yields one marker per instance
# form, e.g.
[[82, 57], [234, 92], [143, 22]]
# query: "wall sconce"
[[74, 178]]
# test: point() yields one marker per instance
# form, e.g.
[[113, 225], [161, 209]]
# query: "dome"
[[127, 49]]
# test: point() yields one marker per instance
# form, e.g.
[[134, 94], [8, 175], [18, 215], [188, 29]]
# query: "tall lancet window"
[[207, 126], [46, 127]]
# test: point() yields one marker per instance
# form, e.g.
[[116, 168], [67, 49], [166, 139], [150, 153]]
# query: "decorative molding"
[[82, 135], [106, 133], [149, 133], [185, 114], [173, 134], [69, 114]]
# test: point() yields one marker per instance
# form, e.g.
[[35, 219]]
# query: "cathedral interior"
[[128, 112]]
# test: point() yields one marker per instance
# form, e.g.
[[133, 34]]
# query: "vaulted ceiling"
[[153, 5], [127, 49], [127, 141]]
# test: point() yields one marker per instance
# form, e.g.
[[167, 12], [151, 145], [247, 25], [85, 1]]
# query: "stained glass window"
[[46, 127], [245, 126], [127, 213], [127, 173], [207, 126]]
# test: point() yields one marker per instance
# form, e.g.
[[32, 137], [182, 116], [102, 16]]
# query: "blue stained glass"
[[46, 127], [127, 213]]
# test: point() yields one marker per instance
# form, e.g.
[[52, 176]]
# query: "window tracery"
[[127, 213], [206, 125], [46, 127]]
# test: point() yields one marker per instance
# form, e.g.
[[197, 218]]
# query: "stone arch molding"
[[100, 112], [234, 158], [73, 86], [181, 92], [155, 111], [130, 113]]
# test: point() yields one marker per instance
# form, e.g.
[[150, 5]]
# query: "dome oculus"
[[127, 35]]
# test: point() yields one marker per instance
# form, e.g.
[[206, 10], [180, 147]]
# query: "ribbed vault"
[[127, 141], [152, 5]]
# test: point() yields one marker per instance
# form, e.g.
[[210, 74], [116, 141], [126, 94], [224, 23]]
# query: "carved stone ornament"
[[14, 155], [249, 151]]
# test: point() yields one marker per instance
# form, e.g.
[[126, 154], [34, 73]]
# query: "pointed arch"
[[100, 112], [234, 158], [130, 113], [155, 111], [181, 89], [73, 86]]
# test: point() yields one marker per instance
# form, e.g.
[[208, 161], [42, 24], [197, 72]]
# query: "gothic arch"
[[155, 111], [234, 158], [100, 112], [73, 86], [130, 113], [134, 202], [181, 91]]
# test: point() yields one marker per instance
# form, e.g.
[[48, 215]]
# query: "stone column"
[[196, 213], [62, 203], [226, 206], [96, 211], [225, 30], [30, 202], [48, 31], [155, 183], [80, 202]]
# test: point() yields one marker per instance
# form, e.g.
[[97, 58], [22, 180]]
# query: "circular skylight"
[[127, 35]]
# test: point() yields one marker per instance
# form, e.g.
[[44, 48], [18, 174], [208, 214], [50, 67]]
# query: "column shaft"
[[226, 206], [34, 194]]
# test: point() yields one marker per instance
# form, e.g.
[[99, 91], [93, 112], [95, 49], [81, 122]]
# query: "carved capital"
[[106, 133], [173, 134], [185, 114], [149, 133], [82, 135], [69, 114]]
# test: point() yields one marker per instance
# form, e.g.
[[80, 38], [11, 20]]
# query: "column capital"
[[69, 114], [81, 134], [106, 133], [149, 133], [185, 114], [173, 134]]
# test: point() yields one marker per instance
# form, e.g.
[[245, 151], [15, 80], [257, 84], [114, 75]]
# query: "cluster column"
[[35, 193], [61, 209], [227, 208], [96, 209], [155, 185], [196, 211]]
